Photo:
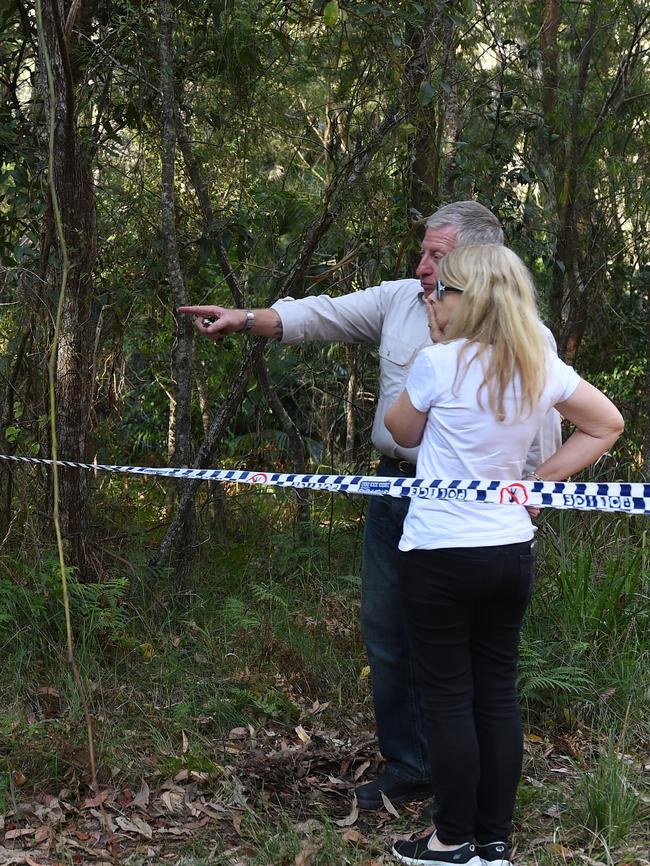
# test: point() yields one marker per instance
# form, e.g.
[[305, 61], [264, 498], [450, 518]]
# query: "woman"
[[474, 401]]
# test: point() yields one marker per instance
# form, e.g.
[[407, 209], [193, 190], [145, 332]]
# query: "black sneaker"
[[494, 854], [418, 853]]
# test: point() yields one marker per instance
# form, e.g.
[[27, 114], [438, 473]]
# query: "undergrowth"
[[270, 627]]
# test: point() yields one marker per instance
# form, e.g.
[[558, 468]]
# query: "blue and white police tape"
[[584, 496]]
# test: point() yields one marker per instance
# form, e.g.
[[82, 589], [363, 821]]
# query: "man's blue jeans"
[[400, 724]]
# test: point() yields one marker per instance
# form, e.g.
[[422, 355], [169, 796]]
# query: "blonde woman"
[[473, 403]]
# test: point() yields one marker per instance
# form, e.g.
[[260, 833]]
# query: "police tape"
[[631, 498]]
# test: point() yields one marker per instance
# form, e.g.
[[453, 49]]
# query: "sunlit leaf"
[[331, 13], [426, 93]]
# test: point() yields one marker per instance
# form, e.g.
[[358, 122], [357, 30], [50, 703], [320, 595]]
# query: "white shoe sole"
[[496, 862], [413, 861]]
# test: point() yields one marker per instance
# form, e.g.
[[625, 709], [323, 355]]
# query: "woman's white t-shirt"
[[463, 439]]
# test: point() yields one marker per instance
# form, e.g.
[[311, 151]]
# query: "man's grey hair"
[[473, 223]]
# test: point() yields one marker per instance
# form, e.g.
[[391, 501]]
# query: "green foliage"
[[278, 842], [194, 760], [586, 633], [545, 679], [266, 704], [41, 751], [34, 604], [5, 788], [272, 626], [608, 798], [237, 614]]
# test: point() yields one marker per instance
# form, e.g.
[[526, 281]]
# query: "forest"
[[183, 678]]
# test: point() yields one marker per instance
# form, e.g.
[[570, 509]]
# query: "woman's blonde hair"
[[498, 311]]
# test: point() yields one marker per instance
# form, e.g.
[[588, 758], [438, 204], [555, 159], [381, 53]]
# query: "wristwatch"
[[250, 320]]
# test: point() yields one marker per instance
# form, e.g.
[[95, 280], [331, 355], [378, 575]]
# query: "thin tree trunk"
[[216, 498], [551, 80], [567, 174], [171, 428], [209, 448], [426, 155], [8, 418], [287, 424], [449, 127], [567, 149], [182, 355], [204, 400], [577, 317], [350, 399], [73, 183], [324, 424], [203, 197]]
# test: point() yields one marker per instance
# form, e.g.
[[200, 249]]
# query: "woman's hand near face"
[[441, 312], [436, 332]]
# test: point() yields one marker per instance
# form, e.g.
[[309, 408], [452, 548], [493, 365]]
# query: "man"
[[392, 315]]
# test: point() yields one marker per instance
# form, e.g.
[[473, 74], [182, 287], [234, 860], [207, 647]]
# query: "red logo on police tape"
[[513, 493], [259, 478]]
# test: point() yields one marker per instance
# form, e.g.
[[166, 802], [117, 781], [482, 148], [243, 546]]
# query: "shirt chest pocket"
[[395, 351], [395, 360]]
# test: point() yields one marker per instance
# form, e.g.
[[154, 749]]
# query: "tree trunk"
[[449, 126], [209, 448], [8, 419], [577, 316], [204, 400], [436, 123], [171, 429], [350, 426], [182, 354], [566, 152], [425, 167], [286, 422], [216, 498], [74, 189]]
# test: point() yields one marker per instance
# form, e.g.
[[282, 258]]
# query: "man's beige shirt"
[[393, 316]]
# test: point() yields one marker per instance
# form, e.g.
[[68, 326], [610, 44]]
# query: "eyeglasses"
[[441, 288]]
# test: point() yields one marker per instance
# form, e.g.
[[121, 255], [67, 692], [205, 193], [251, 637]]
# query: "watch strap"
[[250, 320]]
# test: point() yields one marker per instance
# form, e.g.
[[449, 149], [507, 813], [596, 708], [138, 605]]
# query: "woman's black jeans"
[[464, 609]]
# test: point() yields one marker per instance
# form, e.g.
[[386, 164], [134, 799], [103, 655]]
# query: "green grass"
[[609, 800], [587, 633]]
